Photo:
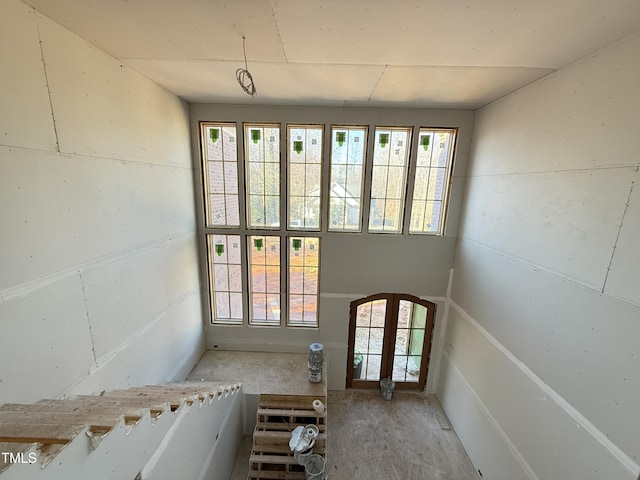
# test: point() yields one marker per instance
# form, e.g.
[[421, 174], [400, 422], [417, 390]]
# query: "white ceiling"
[[410, 53]]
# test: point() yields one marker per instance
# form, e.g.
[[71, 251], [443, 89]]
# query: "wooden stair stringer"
[[84, 437]]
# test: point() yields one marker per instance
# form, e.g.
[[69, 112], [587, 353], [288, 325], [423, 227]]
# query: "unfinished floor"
[[407, 438]]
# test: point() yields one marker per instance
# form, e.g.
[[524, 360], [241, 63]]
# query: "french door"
[[390, 336]]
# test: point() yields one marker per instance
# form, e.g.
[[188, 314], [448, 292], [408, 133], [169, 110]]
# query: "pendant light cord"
[[243, 76]]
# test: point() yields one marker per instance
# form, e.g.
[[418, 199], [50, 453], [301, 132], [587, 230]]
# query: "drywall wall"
[[202, 442], [541, 360], [99, 281], [352, 265]]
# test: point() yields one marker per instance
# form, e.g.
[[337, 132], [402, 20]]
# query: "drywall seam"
[[373, 90], [86, 309], [106, 358], [275, 21], [46, 80], [615, 245], [25, 289], [544, 172], [526, 468], [540, 268], [569, 409], [70, 155]]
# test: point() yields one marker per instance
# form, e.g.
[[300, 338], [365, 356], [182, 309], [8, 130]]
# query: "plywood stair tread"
[[51, 424], [42, 433]]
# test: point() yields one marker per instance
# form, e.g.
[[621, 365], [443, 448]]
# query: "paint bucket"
[[316, 353], [386, 388], [314, 468], [316, 361]]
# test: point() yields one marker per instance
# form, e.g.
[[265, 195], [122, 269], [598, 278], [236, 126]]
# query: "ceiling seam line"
[[273, 13], [376, 85]]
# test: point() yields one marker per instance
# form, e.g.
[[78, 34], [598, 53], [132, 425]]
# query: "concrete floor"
[[407, 438]]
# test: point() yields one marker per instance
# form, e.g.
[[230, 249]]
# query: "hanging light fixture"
[[244, 77]]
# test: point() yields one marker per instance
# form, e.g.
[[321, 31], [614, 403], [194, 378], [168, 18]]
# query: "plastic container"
[[386, 388], [314, 468]]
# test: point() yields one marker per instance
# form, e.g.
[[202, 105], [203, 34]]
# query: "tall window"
[[303, 280], [264, 258], [262, 151], [389, 179], [268, 204], [305, 169], [226, 277], [221, 179], [348, 148], [433, 171], [259, 273]]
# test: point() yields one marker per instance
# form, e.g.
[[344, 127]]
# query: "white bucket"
[[314, 468]]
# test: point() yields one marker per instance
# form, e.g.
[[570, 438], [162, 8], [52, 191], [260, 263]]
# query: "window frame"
[[405, 206], [283, 230], [454, 131], [320, 228], [333, 128]]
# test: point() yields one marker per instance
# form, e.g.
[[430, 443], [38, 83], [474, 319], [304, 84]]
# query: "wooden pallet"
[[277, 416]]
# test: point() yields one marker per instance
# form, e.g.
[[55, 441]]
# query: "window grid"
[[221, 179], [348, 150], [225, 270], [252, 283], [262, 147], [305, 176], [304, 267], [433, 167], [388, 179], [264, 279]]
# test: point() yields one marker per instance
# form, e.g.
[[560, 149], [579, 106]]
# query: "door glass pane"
[[372, 367], [400, 369], [412, 320], [369, 337]]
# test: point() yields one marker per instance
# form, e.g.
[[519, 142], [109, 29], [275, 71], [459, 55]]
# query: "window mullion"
[[411, 179], [325, 184], [284, 223], [367, 179]]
